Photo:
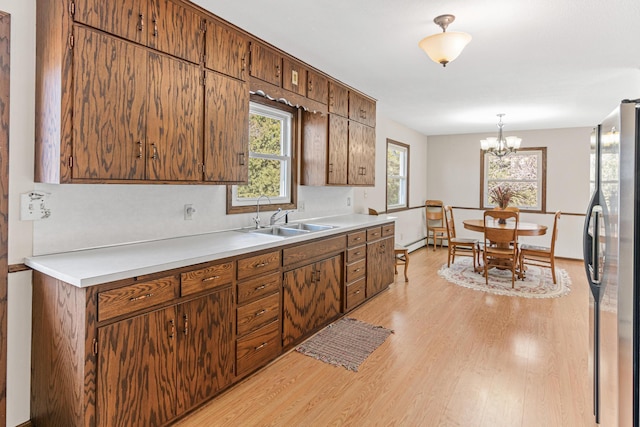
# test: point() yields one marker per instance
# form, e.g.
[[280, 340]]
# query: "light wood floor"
[[458, 357]]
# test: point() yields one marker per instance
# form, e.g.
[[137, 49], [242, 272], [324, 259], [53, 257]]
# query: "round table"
[[524, 228]]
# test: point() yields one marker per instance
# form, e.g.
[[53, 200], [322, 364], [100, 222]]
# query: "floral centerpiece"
[[502, 195]]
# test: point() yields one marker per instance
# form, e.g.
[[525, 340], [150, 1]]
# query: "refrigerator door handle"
[[591, 241]]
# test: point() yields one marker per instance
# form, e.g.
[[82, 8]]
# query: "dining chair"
[[500, 242], [436, 227], [541, 256], [458, 245], [512, 209]]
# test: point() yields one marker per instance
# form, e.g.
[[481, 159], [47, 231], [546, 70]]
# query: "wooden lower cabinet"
[[156, 366], [380, 265], [311, 298]]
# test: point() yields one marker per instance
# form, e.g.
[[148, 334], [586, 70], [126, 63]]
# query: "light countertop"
[[106, 264]]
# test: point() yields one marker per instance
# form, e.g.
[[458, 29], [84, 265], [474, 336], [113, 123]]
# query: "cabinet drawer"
[[206, 278], [258, 348], [313, 250], [356, 238], [257, 314], [356, 270], [357, 253], [128, 299], [388, 230], [374, 233], [258, 264], [355, 293], [259, 287]]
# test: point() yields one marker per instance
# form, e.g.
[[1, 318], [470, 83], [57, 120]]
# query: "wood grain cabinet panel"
[[227, 50], [110, 98], [175, 29], [207, 278], [362, 110], [294, 77], [362, 156], [311, 298], [257, 314], [257, 348], [337, 172], [259, 264], [380, 265], [136, 378], [174, 120], [125, 18], [355, 293], [357, 253], [259, 287], [317, 87], [338, 99], [266, 64], [226, 130], [206, 358]]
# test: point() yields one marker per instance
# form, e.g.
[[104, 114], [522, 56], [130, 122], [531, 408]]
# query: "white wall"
[[454, 176]]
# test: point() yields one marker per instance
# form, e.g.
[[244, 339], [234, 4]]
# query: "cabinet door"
[[317, 87], [136, 378], [338, 150], [266, 64], [299, 303], [176, 30], [110, 88], [338, 99], [227, 50], [126, 18], [226, 131], [362, 144], [380, 265], [205, 347], [362, 110], [174, 124], [294, 77], [329, 282]]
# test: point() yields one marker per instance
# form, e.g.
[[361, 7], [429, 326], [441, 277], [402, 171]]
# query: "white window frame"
[[403, 190], [541, 157], [285, 158]]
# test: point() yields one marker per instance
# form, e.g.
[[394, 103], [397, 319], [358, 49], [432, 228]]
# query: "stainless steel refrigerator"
[[612, 262]]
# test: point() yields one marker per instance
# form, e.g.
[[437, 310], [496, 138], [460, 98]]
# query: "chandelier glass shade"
[[500, 146], [446, 46]]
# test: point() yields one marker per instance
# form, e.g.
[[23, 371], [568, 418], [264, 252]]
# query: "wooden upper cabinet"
[[294, 77], [174, 120], [227, 50], [338, 150], [266, 64], [362, 156], [362, 109], [338, 99], [110, 99], [125, 18], [176, 30], [226, 130], [317, 87]]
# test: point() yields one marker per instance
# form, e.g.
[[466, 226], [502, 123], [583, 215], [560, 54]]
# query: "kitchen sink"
[[279, 231], [308, 226]]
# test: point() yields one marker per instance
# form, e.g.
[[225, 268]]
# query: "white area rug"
[[538, 282]]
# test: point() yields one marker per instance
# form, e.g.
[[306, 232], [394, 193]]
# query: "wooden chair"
[[500, 243], [401, 257], [541, 256], [436, 227], [458, 245]]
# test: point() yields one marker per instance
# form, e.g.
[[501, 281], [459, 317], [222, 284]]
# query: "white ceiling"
[[545, 63]]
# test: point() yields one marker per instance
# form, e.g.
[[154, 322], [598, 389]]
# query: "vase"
[[502, 221]]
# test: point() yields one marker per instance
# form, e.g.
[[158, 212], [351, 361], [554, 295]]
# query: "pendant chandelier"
[[500, 146], [444, 47]]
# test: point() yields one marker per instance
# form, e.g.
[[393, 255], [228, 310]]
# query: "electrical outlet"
[[300, 205], [189, 210], [348, 201]]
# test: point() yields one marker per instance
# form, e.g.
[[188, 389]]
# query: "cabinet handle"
[[155, 26], [138, 298], [244, 62], [364, 170], [139, 149], [208, 279], [356, 270], [154, 154], [261, 287], [264, 344], [140, 22], [241, 155], [330, 167], [310, 85], [357, 292], [278, 70], [358, 253], [260, 313], [357, 238], [172, 328], [186, 325], [262, 264]]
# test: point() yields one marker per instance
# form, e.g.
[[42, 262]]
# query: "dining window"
[[397, 175], [523, 171]]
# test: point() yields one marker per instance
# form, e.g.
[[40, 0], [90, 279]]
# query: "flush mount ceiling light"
[[500, 146], [444, 47]]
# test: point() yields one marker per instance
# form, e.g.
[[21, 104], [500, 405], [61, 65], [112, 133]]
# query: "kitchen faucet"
[[275, 218], [257, 217]]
